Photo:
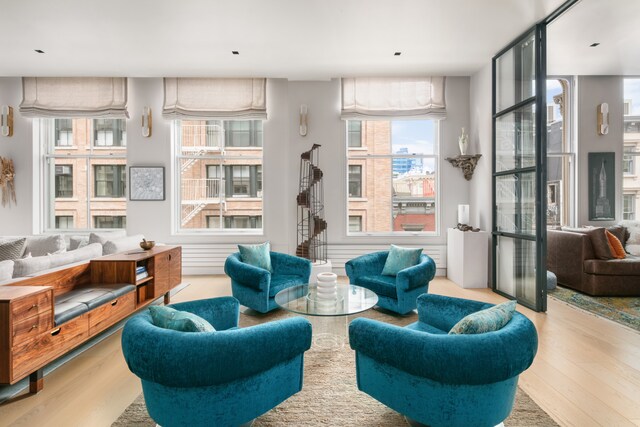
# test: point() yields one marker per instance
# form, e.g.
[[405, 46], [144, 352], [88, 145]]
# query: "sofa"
[[573, 258]]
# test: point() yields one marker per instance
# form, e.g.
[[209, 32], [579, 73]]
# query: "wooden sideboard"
[[29, 339]]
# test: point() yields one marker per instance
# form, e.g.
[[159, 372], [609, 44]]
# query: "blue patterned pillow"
[[257, 255], [183, 321], [487, 320], [400, 258]]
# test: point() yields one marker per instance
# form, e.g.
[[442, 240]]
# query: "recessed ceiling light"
[[594, 44], [397, 54], [39, 50], [235, 52]]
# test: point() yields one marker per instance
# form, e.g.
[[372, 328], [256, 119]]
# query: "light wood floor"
[[586, 373]]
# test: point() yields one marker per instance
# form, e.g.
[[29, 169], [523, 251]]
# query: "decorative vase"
[[463, 143], [327, 286]]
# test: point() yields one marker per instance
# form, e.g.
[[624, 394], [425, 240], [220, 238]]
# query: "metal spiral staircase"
[[312, 227]]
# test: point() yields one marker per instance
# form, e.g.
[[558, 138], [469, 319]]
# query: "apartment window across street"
[[631, 144], [393, 176], [79, 177], [354, 135], [108, 221], [628, 160], [220, 185], [64, 181], [628, 206]]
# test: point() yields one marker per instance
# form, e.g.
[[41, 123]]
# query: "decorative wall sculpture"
[[312, 227], [7, 174]]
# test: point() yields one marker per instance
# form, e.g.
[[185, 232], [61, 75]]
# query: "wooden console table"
[[29, 339]]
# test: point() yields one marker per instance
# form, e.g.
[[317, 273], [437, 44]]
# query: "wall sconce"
[[147, 122], [603, 118], [303, 120], [6, 120]]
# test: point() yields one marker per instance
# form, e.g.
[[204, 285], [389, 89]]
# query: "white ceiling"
[[295, 39], [615, 24]]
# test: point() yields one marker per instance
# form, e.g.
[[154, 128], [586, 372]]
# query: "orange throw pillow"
[[616, 246]]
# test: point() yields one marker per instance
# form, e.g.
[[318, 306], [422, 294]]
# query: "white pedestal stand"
[[467, 258]]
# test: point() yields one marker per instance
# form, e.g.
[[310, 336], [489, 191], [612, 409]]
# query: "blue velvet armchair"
[[223, 378], [256, 288], [396, 293], [438, 379]]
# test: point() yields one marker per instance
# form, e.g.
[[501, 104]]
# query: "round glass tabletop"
[[305, 299]]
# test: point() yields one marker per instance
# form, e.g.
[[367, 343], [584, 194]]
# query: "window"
[[84, 184], [64, 133], [64, 181], [627, 107], [395, 170], [560, 155], [110, 180], [354, 135], [64, 222], [355, 181], [109, 133], [628, 160], [629, 206], [108, 221], [355, 224], [220, 189]]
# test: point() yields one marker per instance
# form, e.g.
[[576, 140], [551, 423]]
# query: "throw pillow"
[[183, 321], [122, 244], [400, 258], [12, 249], [103, 237], [616, 246], [257, 255], [600, 243], [618, 231], [77, 242], [487, 320], [44, 245]]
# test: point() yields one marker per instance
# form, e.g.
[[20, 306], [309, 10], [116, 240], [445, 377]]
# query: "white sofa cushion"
[[12, 249], [633, 242], [44, 245], [91, 251], [28, 266], [6, 270], [105, 236], [121, 245]]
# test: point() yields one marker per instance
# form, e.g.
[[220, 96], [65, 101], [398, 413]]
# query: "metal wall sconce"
[[147, 122], [303, 120], [603, 118], [6, 120]]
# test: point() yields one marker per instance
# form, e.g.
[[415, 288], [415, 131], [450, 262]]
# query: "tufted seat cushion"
[[629, 266], [380, 284], [80, 300]]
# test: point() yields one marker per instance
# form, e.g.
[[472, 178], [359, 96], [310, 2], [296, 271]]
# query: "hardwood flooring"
[[586, 373]]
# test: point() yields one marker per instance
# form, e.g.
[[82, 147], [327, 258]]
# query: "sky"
[[417, 135], [632, 91]]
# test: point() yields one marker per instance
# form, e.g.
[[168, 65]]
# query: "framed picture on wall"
[[602, 186], [146, 183]]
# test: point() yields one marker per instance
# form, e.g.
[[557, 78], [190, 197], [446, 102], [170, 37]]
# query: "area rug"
[[623, 310], [330, 396]]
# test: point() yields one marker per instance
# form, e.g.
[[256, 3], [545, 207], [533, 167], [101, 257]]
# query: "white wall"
[[282, 148], [592, 91]]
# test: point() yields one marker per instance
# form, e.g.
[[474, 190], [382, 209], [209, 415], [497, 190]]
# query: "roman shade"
[[53, 97], [192, 98], [389, 97]]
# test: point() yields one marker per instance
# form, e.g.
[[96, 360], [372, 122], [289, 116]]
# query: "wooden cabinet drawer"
[[33, 354], [106, 315], [31, 327], [32, 305]]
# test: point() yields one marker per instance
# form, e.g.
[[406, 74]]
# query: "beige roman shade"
[[97, 97], [186, 98], [388, 97]]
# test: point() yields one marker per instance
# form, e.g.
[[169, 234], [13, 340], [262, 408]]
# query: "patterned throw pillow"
[[487, 320], [616, 246], [182, 321], [400, 258], [257, 255], [12, 249]]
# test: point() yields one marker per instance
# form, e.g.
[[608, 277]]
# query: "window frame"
[[119, 181], [69, 176], [219, 158], [357, 154]]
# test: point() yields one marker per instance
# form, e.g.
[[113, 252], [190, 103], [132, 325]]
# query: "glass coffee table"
[[328, 316]]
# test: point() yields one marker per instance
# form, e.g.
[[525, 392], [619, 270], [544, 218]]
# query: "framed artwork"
[[602, 186], [146, 183]]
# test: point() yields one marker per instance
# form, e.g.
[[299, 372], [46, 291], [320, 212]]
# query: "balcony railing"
[[202, 190]]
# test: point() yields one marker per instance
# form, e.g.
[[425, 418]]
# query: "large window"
[[219, 170], [81, 180], [392, 176], [109, 221], [631, 144], [560, 154]]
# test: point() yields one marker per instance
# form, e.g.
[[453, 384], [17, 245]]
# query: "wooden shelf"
[[145, 280]]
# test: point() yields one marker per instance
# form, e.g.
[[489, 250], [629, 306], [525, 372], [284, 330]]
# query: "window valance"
[[98, 97], [243, 98], [388, 97]]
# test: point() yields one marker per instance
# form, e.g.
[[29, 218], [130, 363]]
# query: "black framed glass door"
[[519, 170]]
